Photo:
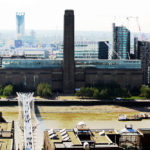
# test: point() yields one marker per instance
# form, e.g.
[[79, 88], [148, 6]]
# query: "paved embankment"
[[79, 103]]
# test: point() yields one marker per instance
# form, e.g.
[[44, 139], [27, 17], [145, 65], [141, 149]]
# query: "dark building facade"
[[145, 136], [136, 48], [121, 42], [144, 54], [103, 50], [68, 77], [30, 78], [68, 59]]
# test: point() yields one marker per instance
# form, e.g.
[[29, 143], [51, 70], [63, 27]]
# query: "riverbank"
[[84, 102], [104, 112], [95, 116], [102, 116]]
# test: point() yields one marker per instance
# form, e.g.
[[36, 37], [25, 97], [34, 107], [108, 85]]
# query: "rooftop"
[[6, 135], [79, 63], [6, 126], [6, 144], [78, 138], [144, 130]]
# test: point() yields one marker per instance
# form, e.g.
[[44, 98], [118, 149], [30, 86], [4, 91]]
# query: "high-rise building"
[[103, 50], [143, 51], [121, 42], [20, 24], [136, 48], [18, 43], [68, 58]]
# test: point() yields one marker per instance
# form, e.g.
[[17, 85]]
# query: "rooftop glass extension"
[[109, 64], [31, 63], [83, 63]]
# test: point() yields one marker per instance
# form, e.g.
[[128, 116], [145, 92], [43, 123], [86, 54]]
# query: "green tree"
[[89, 92], [143, 90], [78, 93], [129, 94], [104, 94], [40, 87], [8, 90], [96, 93], [44, 90], [147, 93], [82, 92], [1, 89]]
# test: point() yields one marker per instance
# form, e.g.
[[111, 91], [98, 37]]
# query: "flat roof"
[[74, 139], [6, 140], [6, 144], [7, 126], [111, 132], [144, 130], [75, 142], [101, 139]]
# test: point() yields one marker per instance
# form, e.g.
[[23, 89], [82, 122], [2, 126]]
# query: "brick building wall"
[[30, 78]]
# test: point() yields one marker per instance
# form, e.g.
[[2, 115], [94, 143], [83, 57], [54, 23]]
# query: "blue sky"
[[89, 14]]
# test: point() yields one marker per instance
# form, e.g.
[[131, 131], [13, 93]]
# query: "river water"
[[68, 120], [65, 119]]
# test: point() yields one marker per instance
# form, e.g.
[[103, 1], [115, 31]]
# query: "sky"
[[91, 15]]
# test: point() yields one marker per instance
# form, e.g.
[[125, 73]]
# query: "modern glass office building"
[[103, 50], [121, 42], [82, 50], [79, 63], [20, 24]]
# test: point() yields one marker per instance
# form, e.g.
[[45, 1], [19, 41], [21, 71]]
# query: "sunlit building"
[[121, 42], [81, 138], [7, 141]]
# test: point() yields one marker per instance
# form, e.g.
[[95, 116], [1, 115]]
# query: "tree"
[[104, 93], [96, 93], [40, 87], [1, 89], [89, 92], [143, 90], [82, 92], [8, 90], [135, 91], [147, 93], [125, 93], [44, 90]]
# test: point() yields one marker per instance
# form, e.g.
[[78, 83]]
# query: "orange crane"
[[139, 27]]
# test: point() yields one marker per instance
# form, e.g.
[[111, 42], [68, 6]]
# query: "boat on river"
[[125, 118]]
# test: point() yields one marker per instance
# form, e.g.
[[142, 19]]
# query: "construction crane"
[[138, 24]]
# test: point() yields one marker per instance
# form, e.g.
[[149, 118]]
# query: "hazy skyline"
[[89, 15]]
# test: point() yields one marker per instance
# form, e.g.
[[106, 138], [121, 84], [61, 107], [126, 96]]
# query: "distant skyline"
[[96, 15]]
